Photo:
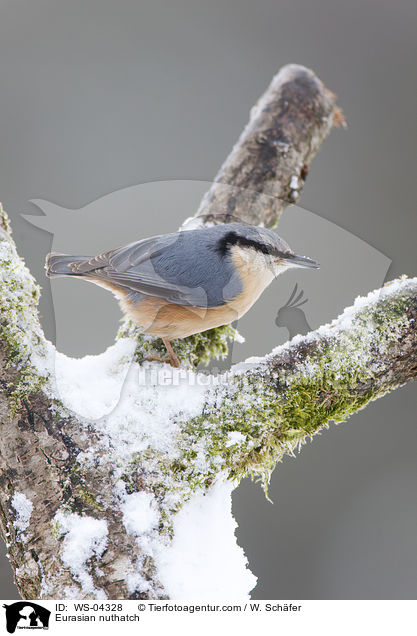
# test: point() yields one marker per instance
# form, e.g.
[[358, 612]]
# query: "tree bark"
[[66, 481], [269, 164]]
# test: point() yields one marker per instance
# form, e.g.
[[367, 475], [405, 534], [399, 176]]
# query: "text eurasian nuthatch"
[[175, 285]]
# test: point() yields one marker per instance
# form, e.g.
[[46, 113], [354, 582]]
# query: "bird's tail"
[[61, 264]]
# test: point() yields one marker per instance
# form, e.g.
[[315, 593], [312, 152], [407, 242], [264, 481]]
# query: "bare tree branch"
[[269, 164]]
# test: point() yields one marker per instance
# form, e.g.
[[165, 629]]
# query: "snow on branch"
[[270, 405]]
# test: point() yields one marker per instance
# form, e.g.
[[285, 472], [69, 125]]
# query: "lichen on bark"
[[20, 332]]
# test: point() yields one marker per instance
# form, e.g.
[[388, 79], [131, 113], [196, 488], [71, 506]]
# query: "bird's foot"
[[172, 359], [174, 362]]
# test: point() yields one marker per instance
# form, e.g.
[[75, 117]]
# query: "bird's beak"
[[301, 261]]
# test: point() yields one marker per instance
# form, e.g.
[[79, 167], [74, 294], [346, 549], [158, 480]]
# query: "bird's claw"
[[174, 362]]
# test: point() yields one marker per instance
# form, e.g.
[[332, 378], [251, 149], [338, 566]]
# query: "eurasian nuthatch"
[[175, 285]]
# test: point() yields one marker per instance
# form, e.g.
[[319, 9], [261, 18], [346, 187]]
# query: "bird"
[[182, 283]]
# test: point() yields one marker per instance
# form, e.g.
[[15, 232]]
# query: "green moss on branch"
[[193, 351]]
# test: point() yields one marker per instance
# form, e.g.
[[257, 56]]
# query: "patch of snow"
[[71, 593], [84, 538], [234, 437], [204, 561], [249, 364], [135, 581], [294, 185], [140, 513], [91, 386], [23, 508], [147, 414]]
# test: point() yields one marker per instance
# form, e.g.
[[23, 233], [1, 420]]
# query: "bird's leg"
[[173, 360], [172, 357]]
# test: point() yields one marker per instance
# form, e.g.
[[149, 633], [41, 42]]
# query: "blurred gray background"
[[97, 96]]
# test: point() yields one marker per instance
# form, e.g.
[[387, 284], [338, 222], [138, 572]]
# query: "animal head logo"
[[291, 316], [26, 615]]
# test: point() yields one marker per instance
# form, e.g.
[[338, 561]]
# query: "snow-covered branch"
[[268, 406], [116, 473]]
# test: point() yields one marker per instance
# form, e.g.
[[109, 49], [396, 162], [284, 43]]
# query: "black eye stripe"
[[232, 238]]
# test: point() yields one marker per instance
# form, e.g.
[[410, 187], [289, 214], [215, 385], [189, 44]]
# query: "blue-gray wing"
[[183, 268]]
